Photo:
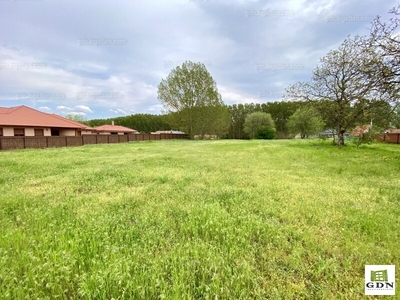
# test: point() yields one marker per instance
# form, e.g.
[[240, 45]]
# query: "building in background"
[[26, 121], [114, 129]]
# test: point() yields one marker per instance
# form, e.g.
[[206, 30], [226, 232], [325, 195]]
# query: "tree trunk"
[[190, 125], [341, 137]]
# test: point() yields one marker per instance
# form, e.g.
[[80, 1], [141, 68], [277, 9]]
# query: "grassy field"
[[197, 220]]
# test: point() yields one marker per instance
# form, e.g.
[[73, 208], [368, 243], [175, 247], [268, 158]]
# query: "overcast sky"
[[103, 59]]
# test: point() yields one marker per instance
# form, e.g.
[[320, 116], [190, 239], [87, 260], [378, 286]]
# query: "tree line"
[[289, 118], [356, 84], [144, 123]]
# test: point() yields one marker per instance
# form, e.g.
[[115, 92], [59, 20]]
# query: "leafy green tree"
[[211, 120], [236, 121], [379, 115], [190, 93], [395, 119], [256, 121], [76, 118], [219, 121], [305, 121], [281, 112], [238, 114]]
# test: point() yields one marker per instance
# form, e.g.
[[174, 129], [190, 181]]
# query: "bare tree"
[[343, 85], [385, 41]]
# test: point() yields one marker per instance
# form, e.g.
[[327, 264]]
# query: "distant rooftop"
[[167, 132], [114, 128], [26, 116]]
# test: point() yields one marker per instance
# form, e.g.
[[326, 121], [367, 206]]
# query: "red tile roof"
[[114, 128], [26, 116]]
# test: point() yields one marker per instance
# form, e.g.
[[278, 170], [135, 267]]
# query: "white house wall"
[[29, 132], [8, 131], [67, 132], [85, 132]]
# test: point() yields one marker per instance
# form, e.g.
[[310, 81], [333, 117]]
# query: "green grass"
[[197, 220]]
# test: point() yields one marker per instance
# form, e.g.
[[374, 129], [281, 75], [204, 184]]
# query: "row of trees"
[[279, 111], [142, 122], [287, 119], [357, 83], [241, 121], [192, 103]]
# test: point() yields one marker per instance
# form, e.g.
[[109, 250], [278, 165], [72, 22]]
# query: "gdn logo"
[[380, 280]]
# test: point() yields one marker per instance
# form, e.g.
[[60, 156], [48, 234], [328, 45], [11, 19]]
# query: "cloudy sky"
[[102, 59]]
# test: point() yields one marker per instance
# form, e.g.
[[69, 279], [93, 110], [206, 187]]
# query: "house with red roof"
[[26, 121], [114, 129]]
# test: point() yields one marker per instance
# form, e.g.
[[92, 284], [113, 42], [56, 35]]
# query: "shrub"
[[365, 138], [266, 134]]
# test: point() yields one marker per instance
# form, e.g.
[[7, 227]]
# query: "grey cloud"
[[229, 37]]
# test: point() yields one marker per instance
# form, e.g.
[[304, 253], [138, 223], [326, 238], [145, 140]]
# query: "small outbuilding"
[[391, 136]]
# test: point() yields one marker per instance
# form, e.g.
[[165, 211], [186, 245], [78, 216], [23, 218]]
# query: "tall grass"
[[197, 220]]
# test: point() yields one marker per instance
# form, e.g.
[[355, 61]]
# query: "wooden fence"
[[393, 138], [22, 142]]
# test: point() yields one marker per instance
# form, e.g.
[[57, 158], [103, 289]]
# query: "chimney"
[[112, 123]]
